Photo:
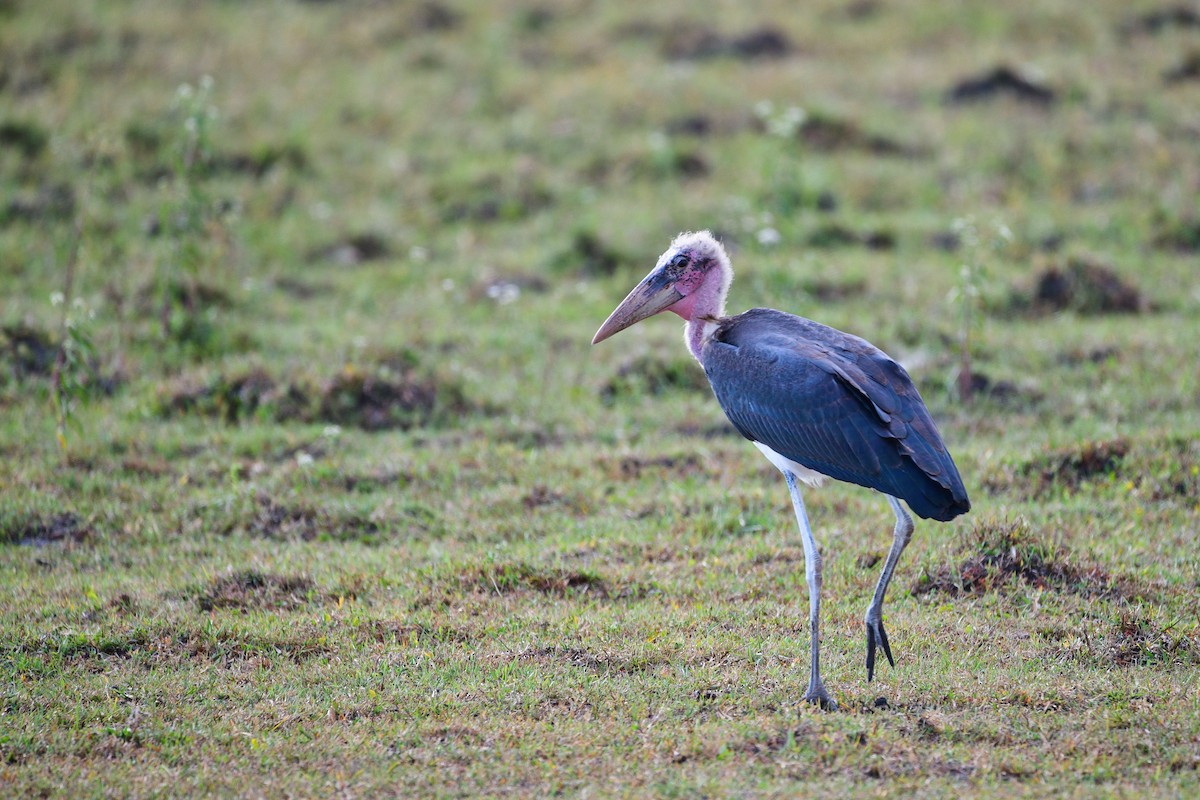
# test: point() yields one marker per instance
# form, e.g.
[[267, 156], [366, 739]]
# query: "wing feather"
[[833, 403]]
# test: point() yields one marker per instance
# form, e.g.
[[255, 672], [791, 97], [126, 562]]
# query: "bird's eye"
[[680, 261]]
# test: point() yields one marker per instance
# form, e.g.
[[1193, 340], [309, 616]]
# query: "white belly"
[[785, 464]]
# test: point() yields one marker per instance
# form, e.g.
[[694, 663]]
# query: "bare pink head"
[[691, 279]]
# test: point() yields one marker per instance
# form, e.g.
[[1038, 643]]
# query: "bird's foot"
[[876, 636], [820, 698]]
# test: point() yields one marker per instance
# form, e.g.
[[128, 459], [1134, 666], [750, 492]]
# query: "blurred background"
[[308, 288]]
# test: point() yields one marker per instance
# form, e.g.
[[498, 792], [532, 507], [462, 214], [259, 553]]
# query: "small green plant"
[[76, 356], [978, 247], [191, 221]]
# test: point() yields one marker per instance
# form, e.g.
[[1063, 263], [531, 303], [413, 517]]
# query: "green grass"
[[349, 505]]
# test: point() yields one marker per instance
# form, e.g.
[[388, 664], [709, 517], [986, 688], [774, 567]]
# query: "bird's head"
[[691, 279]]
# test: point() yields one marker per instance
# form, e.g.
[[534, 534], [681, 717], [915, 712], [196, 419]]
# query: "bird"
[[818, 402]]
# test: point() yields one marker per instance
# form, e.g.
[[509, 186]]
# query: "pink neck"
[[703, 306], [693, 335]]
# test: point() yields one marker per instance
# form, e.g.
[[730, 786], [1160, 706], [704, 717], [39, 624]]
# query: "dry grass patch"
[[250, 589], [35, 530], [275, 520], [1083, 285], [1065, 469], [390, 393], [1002, 553], [524, 577], [1160, 469]]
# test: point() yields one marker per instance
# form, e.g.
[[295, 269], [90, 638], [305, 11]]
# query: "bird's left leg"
[[812, 571], [876, 636]]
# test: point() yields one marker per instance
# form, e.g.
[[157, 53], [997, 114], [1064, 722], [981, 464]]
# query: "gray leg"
[[876, 636], [812, 570]]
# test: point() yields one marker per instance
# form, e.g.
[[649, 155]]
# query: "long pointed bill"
[[647, 299]]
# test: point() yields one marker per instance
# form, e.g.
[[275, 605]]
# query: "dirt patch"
[[590, 256], [51, 202], [1077, 356], [650, 375], [698, 42], [1069, 468], [388, 394], [600, 664], [398, 633], [1005, 393], [260, 161], [541, 496], [301, 290], [507, 197], [522, 577], [1162, 19], [868, 560], [833, 291], [433, 17], [1137, 640], [835, 234], [355, 249], [1003, 553], [185, 293], [691, 125], [26, 351], [634, 467], [27, 138], [1084, 286], [39, 531], [173, 646], [375, 482], [671, 162], [1165, 469], [231, 398], [831, 134], [1186, 70], [274, 520], [251, 590], [1001, 81], [1179, 234]]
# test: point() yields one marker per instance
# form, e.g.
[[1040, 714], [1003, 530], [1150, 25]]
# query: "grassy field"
[[311, 483]]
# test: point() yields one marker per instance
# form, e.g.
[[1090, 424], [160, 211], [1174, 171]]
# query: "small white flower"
[[56, 298], [504, 293], [768, 237], [303, 458], [331, 431], [418, 253]]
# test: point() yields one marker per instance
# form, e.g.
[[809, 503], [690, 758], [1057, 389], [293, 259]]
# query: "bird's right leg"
[[816, 693], [876, 635]]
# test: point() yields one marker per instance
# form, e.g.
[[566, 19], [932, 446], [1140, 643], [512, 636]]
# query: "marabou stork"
[[816, 401]]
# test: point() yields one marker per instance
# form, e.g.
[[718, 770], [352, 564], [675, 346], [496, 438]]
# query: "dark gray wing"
[[834, 403]]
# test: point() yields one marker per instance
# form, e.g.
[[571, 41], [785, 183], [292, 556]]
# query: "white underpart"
[[785, 464]]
